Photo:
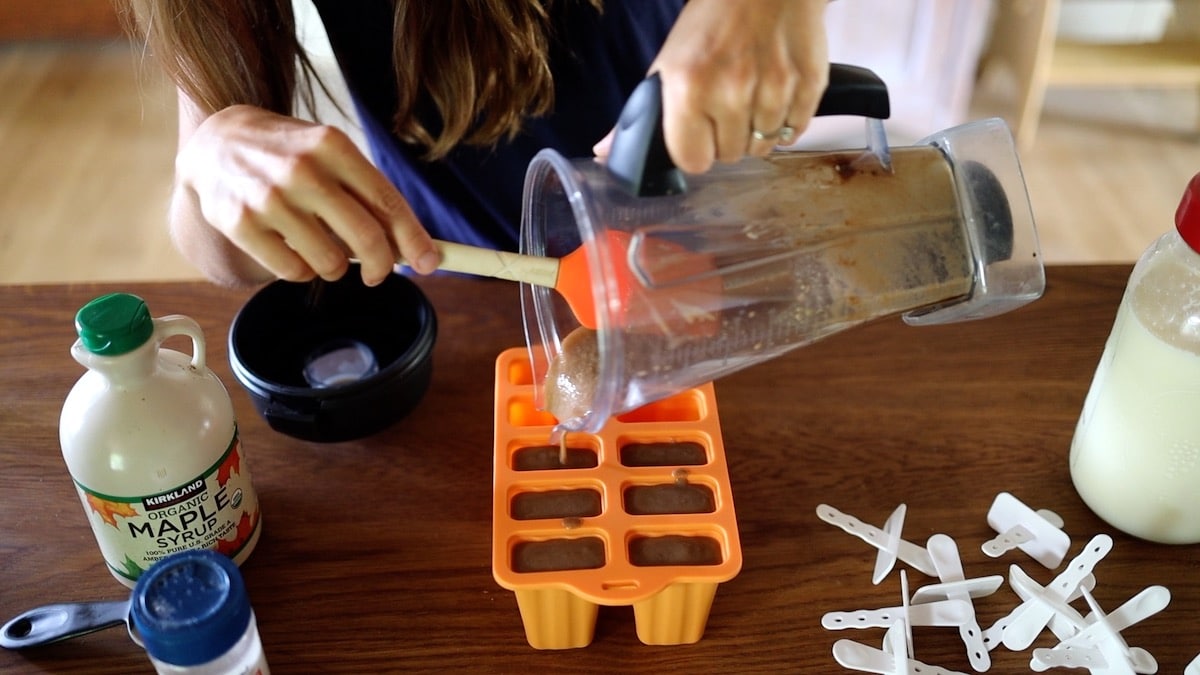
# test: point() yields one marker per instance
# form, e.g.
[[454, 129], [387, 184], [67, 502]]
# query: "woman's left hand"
[[739, 77]]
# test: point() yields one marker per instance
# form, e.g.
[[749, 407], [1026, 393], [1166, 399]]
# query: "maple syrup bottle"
[[149, 437]]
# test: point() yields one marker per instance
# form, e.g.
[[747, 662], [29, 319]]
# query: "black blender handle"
[[854, 90], [638, 159]]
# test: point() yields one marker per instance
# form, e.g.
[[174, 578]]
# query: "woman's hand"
[[296, 198], [733, 67]]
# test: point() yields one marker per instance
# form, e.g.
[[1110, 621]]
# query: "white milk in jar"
[[1135, 458]]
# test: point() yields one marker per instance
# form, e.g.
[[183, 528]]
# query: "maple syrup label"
[[217, 510]]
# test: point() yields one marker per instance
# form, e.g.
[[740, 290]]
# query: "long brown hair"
[[482, 64]]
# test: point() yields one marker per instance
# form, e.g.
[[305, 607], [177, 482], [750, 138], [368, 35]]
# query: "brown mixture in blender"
[[825, 247]]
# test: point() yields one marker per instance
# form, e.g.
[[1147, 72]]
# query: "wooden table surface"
[[375, 555]]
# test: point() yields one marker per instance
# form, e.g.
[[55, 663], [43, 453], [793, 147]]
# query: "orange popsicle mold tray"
[[641, 514]]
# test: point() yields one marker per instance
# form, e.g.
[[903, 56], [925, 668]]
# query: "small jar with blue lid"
[[192, 614]]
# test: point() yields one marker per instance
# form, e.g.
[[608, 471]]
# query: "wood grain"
[[375, 554]]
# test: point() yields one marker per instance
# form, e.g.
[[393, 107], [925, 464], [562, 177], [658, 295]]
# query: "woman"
[[455, 97]]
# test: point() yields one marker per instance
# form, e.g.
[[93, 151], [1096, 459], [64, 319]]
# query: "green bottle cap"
[[114, 324]]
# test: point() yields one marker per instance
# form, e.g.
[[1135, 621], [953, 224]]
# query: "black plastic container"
[[281, 330]]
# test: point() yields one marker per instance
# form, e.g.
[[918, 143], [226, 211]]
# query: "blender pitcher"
[[695, 277]]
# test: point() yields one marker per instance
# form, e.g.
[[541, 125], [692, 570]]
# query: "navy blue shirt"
[[473, 195]]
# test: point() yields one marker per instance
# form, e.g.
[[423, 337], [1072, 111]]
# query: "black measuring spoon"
[[62, 621]]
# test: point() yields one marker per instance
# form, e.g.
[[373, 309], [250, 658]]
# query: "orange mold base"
[[641, 514], [556, 618]]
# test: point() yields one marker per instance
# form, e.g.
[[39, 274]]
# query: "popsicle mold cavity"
[[523, 413], [674, 549], [678, 497], [571, 503], [558, 555], [640, 514], [684, 407], [549, 458], [684, 453]]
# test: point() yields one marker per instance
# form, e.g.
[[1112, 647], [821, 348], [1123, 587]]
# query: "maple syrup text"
[[189, 521]]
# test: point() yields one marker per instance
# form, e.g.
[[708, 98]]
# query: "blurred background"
[[1103, 97]]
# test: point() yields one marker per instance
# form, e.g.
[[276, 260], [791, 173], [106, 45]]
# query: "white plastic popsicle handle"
[[954, 586], [1044, 659], [979, 587], [1102, 632], [890, 547], [866, 659], [1041, 605], [1037, 533], [940, 613]]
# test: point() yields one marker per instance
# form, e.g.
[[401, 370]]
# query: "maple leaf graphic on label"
[[108, 511], [231, 465], [245, 528], [131, 569]]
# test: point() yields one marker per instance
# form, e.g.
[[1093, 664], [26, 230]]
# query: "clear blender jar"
[[696, 277]]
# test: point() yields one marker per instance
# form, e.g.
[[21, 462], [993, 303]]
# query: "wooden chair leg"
[[1023, 44]]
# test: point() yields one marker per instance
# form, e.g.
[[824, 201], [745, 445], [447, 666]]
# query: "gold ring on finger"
[[783, 134]]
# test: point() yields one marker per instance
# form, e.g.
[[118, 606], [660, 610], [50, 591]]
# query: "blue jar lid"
[[191, 607]]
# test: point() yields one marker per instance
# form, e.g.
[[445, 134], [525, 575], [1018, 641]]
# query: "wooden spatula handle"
[[486, 262]]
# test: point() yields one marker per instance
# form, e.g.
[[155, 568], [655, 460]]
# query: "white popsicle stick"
[[886, 560], [906, 624], [940, 613], [1092, 658], [1039, 605], [1062, 628], [954, 586], [890, 544], [1037, 533], [1103, 631], [994, 635], [1095, 658], [1046, 605], [978, 587], [867, 659], [1148, 602], [1044, 659]]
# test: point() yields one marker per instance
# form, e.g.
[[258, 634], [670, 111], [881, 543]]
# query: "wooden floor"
[[87, 145], [86, 155]]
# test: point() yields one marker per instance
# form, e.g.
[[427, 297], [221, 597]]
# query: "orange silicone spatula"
[[684, 306], [570, 275]]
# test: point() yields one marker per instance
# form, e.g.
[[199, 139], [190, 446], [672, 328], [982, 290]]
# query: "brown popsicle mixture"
[[677, 497], [572, 503], [546, 457], [674, 549]]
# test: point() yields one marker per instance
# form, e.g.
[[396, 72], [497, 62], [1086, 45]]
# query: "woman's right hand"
[[297, 198]]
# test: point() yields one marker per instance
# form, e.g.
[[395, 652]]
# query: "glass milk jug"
[[1135, 458]]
